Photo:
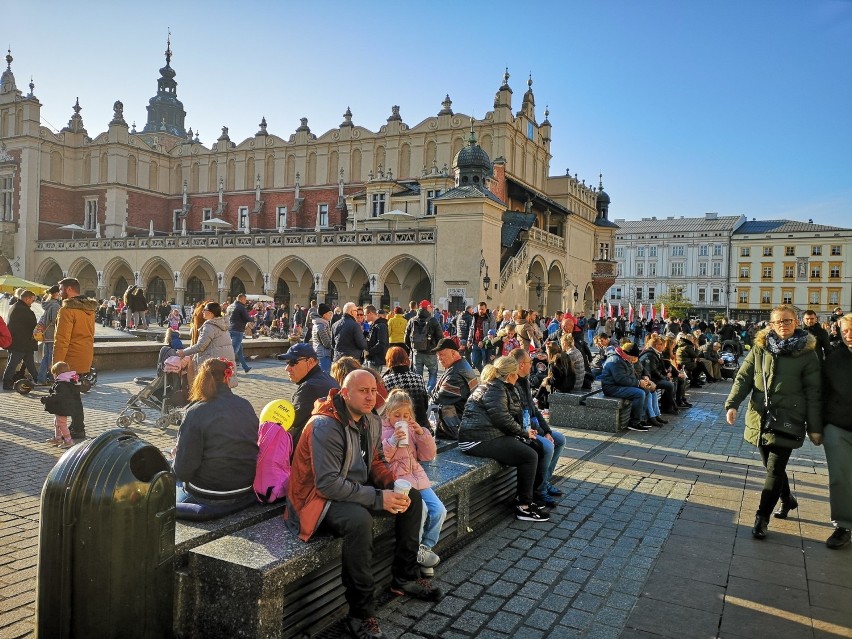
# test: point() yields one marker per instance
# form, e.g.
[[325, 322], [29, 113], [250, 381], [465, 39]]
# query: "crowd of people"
[[374, 389]]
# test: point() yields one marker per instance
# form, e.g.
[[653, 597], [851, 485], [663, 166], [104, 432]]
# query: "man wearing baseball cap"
[[454, 386], [312, 383]]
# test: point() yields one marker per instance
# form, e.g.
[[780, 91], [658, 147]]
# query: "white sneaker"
[[427, 558]]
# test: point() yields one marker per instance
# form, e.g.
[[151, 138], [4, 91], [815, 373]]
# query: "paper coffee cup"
[[404, 426], [401, 486]]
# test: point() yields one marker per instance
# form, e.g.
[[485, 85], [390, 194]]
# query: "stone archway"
[[348, 276], [294, 281], [556, 292], [404, 280], [537, 286]]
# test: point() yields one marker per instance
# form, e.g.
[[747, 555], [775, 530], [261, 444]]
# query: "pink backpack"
[[272, 475]]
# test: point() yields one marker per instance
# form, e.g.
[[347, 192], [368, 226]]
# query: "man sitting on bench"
[[338, 476]]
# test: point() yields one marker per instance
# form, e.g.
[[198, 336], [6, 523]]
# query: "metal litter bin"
[[107, 542]]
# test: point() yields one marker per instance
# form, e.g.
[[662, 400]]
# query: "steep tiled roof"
[[678, 224], [469, 191], [784, 226], [513, 223]]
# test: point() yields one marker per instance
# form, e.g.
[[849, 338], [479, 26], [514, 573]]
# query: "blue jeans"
[[325, 364], [46, 361], [430, 361], [652, 404], [552, 452], [436, 513], [478, 355], [590, 335], [193, 508], [636, 396], [237, 343]]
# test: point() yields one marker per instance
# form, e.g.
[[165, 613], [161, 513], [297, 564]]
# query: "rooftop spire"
[[9, 58], [471, 140], [169, 47], [505, 79], [600, 181]]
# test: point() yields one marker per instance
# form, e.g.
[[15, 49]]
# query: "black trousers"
[[354, 523], [509, 451], [776, 485]]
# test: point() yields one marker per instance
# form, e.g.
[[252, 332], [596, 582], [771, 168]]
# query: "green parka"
[[795, 385]]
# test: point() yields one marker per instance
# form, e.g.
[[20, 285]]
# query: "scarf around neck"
[[793, 344]]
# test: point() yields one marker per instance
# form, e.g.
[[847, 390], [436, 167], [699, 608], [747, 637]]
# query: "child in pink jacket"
[[405, 445]]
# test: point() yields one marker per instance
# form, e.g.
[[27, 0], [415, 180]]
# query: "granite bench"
[[589, 411], [262, 581]]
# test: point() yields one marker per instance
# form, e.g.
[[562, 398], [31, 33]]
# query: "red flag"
[[609, 309], [630, 312], [600, 311], [662, 311], [620, 310], [653, 312], [642, 311]]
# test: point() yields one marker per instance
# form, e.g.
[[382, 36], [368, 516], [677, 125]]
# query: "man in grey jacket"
[[50, 308]]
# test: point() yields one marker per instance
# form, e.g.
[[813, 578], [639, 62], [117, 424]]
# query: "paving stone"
[[576, 618], [520, 605]]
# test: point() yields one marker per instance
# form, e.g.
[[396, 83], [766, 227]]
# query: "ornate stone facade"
[[384, 216]]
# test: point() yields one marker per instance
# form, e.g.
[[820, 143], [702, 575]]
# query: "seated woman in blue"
[[216, 451]]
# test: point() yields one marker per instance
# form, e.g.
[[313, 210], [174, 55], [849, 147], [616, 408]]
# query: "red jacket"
[[328, 450]]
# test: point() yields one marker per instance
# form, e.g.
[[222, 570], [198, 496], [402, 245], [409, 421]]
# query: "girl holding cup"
[[406, 444]]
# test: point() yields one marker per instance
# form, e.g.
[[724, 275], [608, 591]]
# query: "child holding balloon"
[[405, 445]]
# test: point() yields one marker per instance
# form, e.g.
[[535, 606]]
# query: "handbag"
[[777, 420]]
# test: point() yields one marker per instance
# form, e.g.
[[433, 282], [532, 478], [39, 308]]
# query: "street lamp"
[[486, 281]]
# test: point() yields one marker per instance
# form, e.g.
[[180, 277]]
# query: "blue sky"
[[738, 107]]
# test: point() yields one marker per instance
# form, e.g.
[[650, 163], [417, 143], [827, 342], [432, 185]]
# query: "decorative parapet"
[[244, 241], [543, 238]]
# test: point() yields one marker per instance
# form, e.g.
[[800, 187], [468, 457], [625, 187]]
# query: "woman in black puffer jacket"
[[655, 368], [491, 427]]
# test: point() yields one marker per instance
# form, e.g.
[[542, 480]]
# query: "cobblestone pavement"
[[652, 537]]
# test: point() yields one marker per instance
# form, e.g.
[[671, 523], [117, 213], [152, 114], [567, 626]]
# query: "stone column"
[[179, 296], [376, 299]]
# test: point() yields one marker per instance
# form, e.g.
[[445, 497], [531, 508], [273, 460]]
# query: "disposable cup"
[[404, 426], [401, 486]]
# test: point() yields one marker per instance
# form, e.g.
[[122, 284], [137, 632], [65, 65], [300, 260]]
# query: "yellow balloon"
[[280, 411]]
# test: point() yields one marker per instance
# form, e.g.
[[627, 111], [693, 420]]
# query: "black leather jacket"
[[652, 365]]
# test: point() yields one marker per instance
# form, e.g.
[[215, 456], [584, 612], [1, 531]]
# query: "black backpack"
[[420, 335]]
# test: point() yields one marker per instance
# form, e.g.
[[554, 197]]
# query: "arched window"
[[156, 290], [194, 291]]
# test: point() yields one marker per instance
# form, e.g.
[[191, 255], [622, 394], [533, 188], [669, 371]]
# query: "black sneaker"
[[530, 513], [839, 538], [546, 501], [419, 588], [364, 628], [637, 427]]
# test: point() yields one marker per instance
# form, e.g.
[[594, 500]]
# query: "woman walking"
[[782, 375]]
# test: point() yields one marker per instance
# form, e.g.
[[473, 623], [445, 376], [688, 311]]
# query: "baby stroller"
[[730, 364], [167, 393]]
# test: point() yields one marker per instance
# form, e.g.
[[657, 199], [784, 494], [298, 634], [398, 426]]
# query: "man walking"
[[422, 335], [347, 336], [337, 491], [239, 319], [22, 322], [482, 322], [74, 339]]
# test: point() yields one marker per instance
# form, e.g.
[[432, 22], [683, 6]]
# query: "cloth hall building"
[[451, 209]]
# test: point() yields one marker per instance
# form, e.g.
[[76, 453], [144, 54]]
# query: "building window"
[[814, 295], [833, 298], [618, 269], [322, 209], [281, 217], [815, 272], [834, 273], [604, 250], [619, 252], [790, 251], [717, 250], [176, 225], [703, 250], [717, 295], [652, 269], [639, 292], [767, 251], [702, 295], [677, 250], [90, 215], [378, 204], [431, 209], [789, 271], [530, 130], [765, 297], [835, 249], [652, 251], [717, 269], [787, 297], [6, 199], [767, 272], [206, 214], [816, 250], [702, 268], [677, 269], [743, 297], [640, 269], [640, 251], [242, 217], [650, 293], [745, 251], [745, 272], [615, 293]]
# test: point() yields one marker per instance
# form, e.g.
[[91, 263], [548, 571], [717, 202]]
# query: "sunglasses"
[[294, 362]]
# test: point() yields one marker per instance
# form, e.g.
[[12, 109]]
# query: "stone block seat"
[[260, 580], [589, 410]]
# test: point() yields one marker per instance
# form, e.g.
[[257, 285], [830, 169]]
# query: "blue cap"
[[302, 350], [491, 331]]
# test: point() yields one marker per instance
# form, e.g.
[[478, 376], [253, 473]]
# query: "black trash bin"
[[107, 542]]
